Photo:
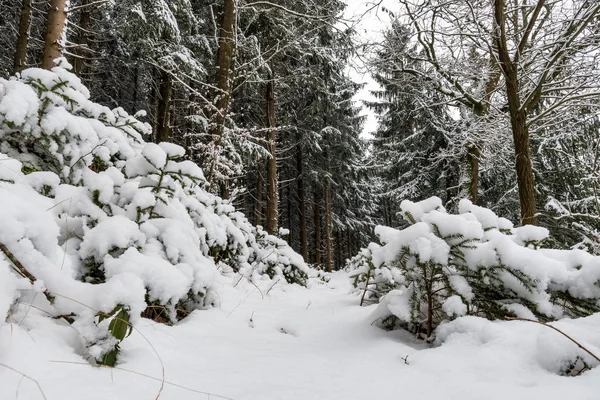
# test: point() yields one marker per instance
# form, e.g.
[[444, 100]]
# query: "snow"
[[417, 210], [298, 344], [454, 306], [417, 237], [107, 223], [114, 232]]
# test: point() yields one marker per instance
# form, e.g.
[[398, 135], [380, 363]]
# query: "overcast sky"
[[369, 28]]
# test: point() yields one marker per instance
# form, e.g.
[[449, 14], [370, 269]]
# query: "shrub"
[[110, 226], [444, 266]]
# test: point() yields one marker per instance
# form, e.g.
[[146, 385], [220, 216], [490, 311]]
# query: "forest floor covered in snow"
[[293, 344]]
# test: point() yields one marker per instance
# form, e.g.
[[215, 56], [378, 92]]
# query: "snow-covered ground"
[[293, 344]]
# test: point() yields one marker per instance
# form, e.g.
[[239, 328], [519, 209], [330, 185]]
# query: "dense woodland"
[[259, 96], [163, 157]]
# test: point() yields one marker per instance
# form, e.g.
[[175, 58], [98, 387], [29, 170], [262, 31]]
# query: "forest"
[[189, 187]]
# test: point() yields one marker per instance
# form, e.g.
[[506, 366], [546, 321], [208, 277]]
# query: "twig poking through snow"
[[559, 331]]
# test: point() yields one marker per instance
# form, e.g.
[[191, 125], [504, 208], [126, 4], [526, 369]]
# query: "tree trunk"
[[163, 127], [338, 250], [57, 18], [317, 223], [328, 230], [153, 100], [518, 120], [24, 23], [272, 184], [82, 39], [289, 224], [349, 252], [258, 208], [525, 178], [136, 90], [222, 78], [473, 154], [301, 201]]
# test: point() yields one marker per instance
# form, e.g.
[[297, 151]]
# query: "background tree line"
[[495, 101], [491, 100], [256, 91]]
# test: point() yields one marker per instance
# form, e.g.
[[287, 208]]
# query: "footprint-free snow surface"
[[293, 344]]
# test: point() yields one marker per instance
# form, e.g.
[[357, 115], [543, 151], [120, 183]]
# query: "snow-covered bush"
[[110, 227], [445, 266]]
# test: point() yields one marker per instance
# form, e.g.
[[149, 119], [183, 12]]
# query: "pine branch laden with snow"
[[445, 266], [108, 226]]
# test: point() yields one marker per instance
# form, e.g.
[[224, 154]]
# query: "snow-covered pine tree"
[[444, 266], [127, 227], [411, 153]]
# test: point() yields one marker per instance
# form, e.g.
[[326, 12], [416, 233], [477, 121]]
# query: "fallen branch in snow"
[[28, 377], [559, 331], [20, 269]]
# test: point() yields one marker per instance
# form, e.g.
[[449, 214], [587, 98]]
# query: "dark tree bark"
[[289, 224], [317, 223], [338, 249], [163, 126], [55, 27], [82, 39], [518, 116], [222, 79], [23, 38], [258, 208], [272, 184], [301, 200], [473, 155], [328, 230]]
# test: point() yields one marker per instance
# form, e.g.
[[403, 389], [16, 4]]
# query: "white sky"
[[369, 28]]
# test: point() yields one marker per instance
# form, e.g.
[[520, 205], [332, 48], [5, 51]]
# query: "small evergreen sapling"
[[444, 266]]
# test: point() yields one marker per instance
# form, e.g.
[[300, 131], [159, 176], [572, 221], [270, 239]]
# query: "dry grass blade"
[[28, 377], [149, 377]]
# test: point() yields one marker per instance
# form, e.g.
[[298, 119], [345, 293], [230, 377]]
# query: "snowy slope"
[[295, 344]]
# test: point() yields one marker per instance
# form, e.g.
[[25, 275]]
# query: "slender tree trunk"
[[328, 229], [317, 223], [473, 154], [136, 90], [429, 306], [348, 245], [222, 79], [338, 249], [258, 208], [272, 184], [525, 177], [153, 100], [82, 39], [518, 120], [163, 126], [301, 200], [24, 23], [290, 225], [57, 18]]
